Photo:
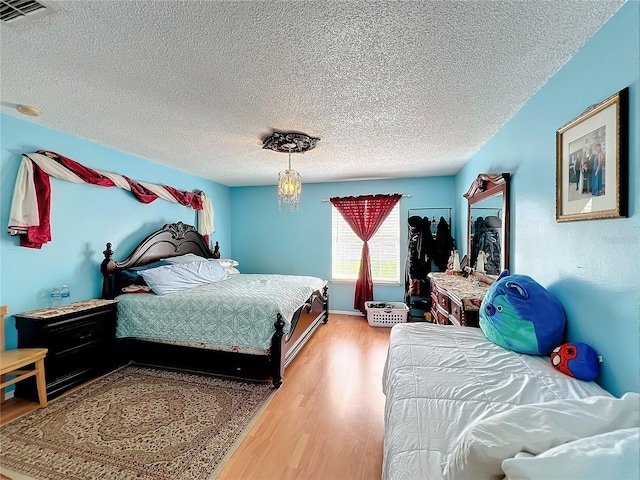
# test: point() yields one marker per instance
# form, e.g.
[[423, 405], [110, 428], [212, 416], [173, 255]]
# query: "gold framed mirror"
[[488, 223]]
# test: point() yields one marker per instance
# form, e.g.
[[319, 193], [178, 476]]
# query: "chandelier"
[[289, 188], [289, 181]]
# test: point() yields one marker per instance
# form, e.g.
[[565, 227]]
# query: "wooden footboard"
[[305, 321]]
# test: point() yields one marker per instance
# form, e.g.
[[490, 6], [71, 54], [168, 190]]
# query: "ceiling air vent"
[[15, 12]]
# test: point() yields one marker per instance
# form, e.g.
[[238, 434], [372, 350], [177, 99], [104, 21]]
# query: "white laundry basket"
[[386, 314]]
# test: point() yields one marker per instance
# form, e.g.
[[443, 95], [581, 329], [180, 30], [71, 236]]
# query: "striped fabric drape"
[[30, 208]]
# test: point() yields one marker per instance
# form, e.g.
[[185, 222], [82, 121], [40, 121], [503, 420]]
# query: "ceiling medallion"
[[289, 142]]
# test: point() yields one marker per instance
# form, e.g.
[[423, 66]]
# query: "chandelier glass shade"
[[289, 188], [289, 181]]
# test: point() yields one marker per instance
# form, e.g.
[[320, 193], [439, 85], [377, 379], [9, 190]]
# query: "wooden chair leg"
[[2, 380], [41, 383]]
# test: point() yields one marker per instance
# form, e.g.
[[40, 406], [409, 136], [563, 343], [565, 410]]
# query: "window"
[[384, 249]]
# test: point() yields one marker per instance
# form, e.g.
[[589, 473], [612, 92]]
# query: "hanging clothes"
[[486, 238], [443, 244], [421, 247], [479, 229]]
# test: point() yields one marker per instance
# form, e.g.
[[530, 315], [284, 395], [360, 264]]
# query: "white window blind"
[[384, 249]]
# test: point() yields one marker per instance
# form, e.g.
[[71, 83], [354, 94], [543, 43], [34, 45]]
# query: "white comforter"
[[440, 380]]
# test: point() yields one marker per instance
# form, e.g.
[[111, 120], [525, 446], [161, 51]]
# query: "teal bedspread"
[[237, 312]]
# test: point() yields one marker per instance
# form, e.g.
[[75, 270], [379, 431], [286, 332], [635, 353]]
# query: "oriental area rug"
[[135, 423]]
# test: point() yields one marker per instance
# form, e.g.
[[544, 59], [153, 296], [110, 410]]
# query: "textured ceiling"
[[393, 89]]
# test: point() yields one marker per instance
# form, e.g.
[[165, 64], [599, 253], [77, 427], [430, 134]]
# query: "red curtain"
[[365, 214]]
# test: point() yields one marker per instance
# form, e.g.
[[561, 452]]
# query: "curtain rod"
[[432, 208], [408, 195]]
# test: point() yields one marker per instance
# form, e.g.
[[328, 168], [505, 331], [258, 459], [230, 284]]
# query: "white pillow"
[[186, 258], [613, 455], [226, 262], [231, 270], [173, 278], [535, 428]]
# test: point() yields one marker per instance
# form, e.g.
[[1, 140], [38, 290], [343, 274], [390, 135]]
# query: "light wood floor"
[[326, 420]]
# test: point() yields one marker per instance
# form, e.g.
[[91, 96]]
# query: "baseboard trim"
[[344, 312]]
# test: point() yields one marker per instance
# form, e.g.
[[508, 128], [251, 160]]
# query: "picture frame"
[[592, 164]]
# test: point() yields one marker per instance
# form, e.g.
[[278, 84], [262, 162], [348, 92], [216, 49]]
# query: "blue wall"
[[268, 240], [84, 217], [593, 266]]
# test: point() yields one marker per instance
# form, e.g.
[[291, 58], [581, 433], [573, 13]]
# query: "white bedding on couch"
[[508, 442], [439, 381], [612, 455]]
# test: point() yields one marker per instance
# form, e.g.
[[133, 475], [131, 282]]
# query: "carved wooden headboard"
[[172, 240]]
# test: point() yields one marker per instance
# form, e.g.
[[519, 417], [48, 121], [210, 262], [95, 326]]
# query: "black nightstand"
[[81, 342]]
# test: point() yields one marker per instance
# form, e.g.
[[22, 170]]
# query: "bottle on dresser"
[[55, 297], [65, 296]]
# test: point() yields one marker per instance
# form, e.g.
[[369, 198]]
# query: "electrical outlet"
[[599, 358]]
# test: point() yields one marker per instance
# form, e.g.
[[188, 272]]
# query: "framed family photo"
[[592, 162]]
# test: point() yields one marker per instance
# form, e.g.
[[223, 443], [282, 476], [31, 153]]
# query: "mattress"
[[237, 313], [439, 380]]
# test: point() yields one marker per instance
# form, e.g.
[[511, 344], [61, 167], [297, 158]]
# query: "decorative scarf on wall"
[[30, 208]]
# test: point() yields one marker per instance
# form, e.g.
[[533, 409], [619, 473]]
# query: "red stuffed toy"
[[576, 359]]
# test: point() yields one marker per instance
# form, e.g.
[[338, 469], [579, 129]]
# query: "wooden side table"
[[80, 338]]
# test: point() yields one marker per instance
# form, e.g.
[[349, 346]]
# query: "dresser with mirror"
[[456, 299]]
